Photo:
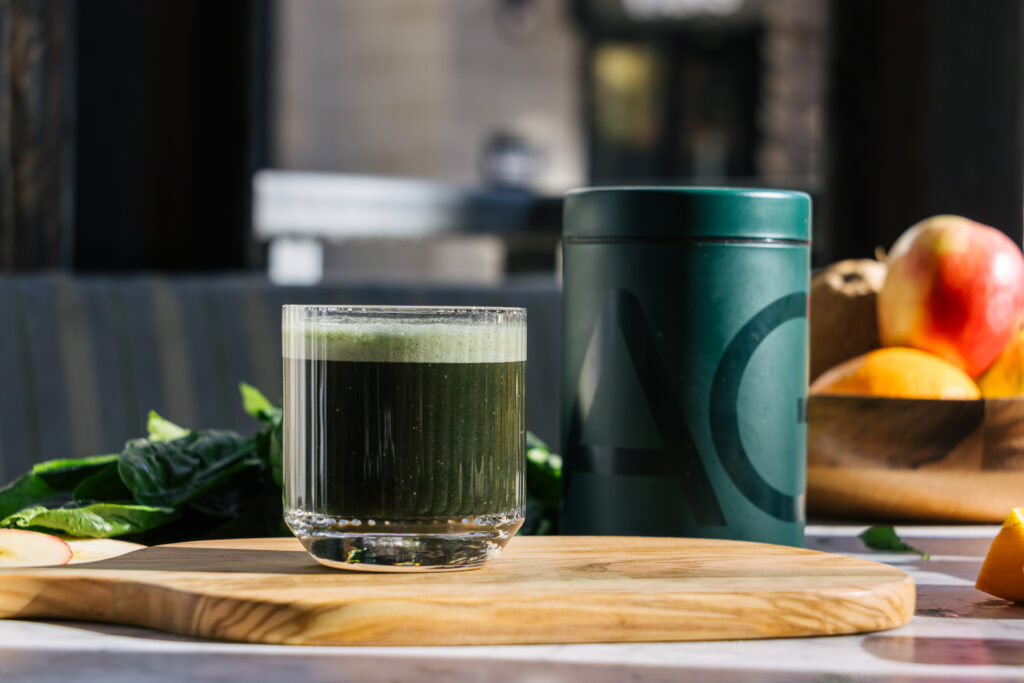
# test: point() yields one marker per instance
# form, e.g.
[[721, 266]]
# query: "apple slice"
[[92, 549], [21, 548]]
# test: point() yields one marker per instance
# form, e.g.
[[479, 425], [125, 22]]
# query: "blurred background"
[[171, 171]]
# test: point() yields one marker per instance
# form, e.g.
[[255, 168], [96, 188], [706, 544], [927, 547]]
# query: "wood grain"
[[914, 459], [37, 102], [540, 590]]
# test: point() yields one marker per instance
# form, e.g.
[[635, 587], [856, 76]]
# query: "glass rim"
[[389, 308], [455, 334]]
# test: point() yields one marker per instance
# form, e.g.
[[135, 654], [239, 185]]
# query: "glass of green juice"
[[404, 434]]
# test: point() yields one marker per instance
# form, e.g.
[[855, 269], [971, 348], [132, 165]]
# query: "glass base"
[[420, 545]]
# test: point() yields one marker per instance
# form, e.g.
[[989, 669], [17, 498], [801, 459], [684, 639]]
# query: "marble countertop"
[[957, 633]]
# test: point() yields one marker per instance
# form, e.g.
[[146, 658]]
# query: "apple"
[[954, 288], [21, 548], [92, 549]]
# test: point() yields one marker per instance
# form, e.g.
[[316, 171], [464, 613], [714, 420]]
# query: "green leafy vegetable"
[[100, 520], [169, 473], [176, 484], [105, 485], [269, 442], [48, 480], [63, 474], [259, 406], [276, 456], [24, 491], [543, 487], [884, 537], [161, 429]]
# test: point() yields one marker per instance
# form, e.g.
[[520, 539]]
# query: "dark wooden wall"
[[923, 116], [170, 123], [129, 132], [36, 133]]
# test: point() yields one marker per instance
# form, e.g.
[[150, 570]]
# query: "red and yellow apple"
[[954, 288]]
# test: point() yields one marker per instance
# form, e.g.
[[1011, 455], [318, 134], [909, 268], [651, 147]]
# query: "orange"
[[897, 372], [1005, 377], [1002, 574]]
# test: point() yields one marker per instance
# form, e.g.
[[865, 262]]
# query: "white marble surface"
[[958, 633]]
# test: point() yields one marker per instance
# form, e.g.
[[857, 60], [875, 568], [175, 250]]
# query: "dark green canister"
[[685, 352]]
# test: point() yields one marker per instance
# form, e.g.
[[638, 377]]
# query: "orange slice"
[[1002, 574], [897, 372]]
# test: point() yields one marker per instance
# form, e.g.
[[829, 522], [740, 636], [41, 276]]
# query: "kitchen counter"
[[957, 633]]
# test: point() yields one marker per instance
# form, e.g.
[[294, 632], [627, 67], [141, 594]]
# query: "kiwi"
[[842, 317]]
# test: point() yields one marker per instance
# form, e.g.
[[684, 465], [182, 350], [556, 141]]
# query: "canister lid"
[[686, 213]]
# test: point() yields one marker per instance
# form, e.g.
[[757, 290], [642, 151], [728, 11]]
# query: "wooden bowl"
[[896, 459]]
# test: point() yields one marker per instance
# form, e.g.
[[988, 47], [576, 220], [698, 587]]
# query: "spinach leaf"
[[259, 406], [268, 442], [228, 499], [105, 485], [100, 520], [161, 429], [884, 537], [169, 473], [268, 445], [276, 456], [26, 490], [177, 483], [64, 475], [543, 487], [543, 471], [247, 505], [48, 479]]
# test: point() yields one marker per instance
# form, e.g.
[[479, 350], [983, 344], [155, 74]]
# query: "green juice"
[[403, 440]]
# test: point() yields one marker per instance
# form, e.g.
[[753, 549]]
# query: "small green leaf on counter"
[[884, 537]]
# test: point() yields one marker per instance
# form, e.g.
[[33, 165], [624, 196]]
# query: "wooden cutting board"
[[540, 590]]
